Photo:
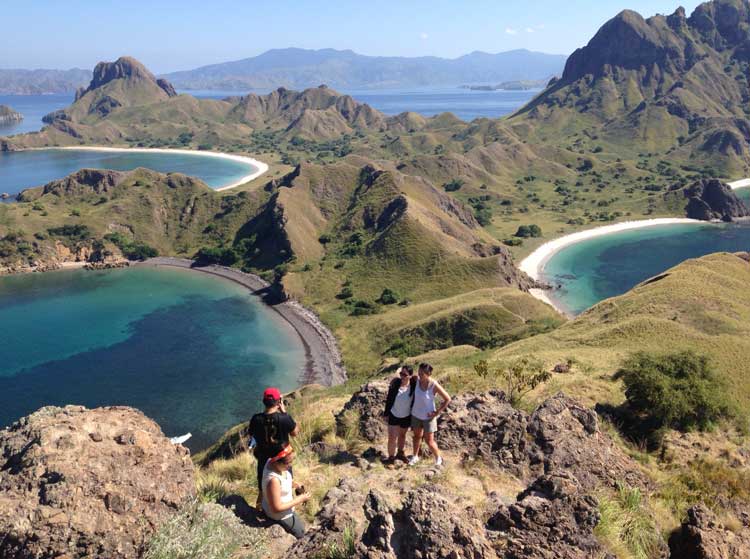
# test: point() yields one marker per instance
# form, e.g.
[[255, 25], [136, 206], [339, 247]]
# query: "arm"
[[446, 399], [274, 498], [391, 397]]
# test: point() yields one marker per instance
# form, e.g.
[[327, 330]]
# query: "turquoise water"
[[24, 169], [192, 351], [595, 269]]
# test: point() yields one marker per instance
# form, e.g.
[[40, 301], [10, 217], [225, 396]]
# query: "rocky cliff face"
[[711, 199], [676, 82], [9, 116], [87, 483]]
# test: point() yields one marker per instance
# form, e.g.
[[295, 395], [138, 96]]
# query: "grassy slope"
[[701, 304]]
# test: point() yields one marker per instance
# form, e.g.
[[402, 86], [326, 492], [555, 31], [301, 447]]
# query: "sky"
[[169, 35]]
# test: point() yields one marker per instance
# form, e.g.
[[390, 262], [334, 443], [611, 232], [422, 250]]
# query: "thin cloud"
[[529, 30], [511, 31], [424, 36]]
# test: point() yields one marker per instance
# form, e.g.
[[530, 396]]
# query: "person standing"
[[270, 429], [397, 412], [279, 490], [424, 413]]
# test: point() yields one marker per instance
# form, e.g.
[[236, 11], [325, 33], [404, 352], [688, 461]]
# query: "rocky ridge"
[[82, 483]]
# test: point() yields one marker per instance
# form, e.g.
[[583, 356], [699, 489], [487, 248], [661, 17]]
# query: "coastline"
[[533, 264], [261, 168], [322, 355]]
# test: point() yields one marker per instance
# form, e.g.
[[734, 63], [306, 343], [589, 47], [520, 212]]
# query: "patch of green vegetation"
[[626, 525], [132, 250]]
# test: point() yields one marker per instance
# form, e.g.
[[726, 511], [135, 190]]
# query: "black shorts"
[[403, 422]]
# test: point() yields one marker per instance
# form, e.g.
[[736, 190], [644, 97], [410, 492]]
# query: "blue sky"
[[170, 35]]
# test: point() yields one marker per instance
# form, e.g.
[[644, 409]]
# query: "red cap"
[[272, 394]]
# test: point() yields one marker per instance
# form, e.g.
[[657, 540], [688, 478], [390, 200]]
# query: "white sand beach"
[[259, 165], [742, 183], [533, 264]]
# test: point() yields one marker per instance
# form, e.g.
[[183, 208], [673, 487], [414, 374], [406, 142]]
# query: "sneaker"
[[439, 461], [388, 461], [414, 460]]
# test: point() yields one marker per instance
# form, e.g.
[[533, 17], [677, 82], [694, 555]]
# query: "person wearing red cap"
[[271, 430], [279, 489]]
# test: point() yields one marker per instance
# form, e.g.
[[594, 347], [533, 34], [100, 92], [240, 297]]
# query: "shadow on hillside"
[[643, 432], [249, 516]]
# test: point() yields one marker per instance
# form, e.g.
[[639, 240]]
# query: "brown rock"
[[68, 487], [702, 536]]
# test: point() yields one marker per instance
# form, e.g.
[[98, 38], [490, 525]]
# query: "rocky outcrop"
[[124, 68], [702, 536], [9, 116], [366, 407], [560, 435], [552, 519], [87, 483], [711, 199]]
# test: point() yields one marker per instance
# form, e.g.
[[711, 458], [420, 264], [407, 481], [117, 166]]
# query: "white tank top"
[[424, 401], [402, 404], [285, 479]]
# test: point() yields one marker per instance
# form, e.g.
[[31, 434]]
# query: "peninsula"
[[9, 116]]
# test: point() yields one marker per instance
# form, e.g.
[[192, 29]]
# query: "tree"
[[453, 185], [519, 377]]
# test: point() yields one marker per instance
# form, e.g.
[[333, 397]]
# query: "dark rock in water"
[[9, 116], [87, 483], [710, 199], [703, 536]]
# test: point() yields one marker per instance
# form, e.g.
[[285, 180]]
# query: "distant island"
[[517, 85], [42, 82], [344, 69], [9, 116]]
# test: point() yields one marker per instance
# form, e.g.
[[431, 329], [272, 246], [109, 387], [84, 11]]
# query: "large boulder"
[[551, 519], [366, 407], [712, 199], [76, 482], [702, 536]]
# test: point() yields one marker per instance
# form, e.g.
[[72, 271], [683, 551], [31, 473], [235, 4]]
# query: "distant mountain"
[[300, 68], [37, 82]]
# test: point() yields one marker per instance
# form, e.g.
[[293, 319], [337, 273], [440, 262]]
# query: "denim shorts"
[[429, 425]]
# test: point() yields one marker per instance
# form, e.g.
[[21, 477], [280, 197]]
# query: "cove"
[[594, 269], [28, 168], [192, 351]]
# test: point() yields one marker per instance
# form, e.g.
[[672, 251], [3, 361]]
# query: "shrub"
[[677, 391], [526, 231], [132, 250], [519, 377], [513, 242], [215, 255], [207, 531], [72, 232], [453, 185], [346, 293], [388, 297]]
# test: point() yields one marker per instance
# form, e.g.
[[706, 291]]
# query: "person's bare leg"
[[393, 435], [401, 439], [429, 438], [417, 442]]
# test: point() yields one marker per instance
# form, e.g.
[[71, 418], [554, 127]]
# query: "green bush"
[[513, 242], [626, 525], [215, 255], [453, 185], [388, 297], [525, 231], [132, 250], [72, 232], [346, 293], [674, 391]]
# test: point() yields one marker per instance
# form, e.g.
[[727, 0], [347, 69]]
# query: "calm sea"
[[192, 351]]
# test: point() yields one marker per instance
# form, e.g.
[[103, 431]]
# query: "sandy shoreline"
[[261, 168], [533, 264], [323, 357], [742, 183]]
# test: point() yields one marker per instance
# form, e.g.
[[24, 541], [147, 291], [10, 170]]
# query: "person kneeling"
[[279, 491]]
